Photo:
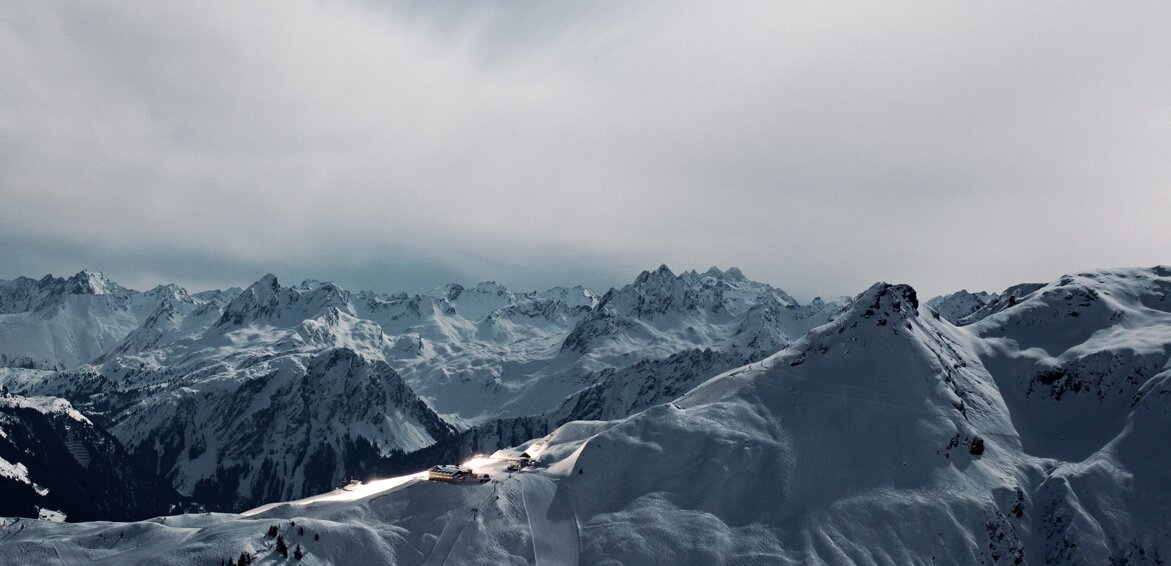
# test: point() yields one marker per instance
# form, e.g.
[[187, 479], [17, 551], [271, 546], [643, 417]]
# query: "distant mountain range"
[[239, 397], [689, 418]]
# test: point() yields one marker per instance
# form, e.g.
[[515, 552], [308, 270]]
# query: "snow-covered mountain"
[[615, 393], [59, 323], [226, 393], [1076, 358], [1004, 300], [279, 393], [526, 353], [957, 306], [176, 317], [54, 463], [1033, 433], [914, 425], [480, 352], [667, 313], [708, 323], [887, 435]]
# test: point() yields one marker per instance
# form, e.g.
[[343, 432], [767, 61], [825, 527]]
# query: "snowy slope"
[[615, 393], [1083, 365], [1077, 357]]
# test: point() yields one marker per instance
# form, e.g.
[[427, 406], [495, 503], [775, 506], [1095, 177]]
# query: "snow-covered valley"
[[683, 419]]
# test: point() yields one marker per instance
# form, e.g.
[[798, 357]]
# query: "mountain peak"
[[883, 300], [266, 286], [258, 300], [87, 282], [663, 272], [954, 307], [733, 273], [269, 281], [451, 291]]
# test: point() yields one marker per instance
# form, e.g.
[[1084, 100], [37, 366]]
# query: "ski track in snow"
[[451, 534], [70, 555], [553, 518]]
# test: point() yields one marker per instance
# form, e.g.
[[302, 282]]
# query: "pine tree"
[[297, 552], [281, 548]]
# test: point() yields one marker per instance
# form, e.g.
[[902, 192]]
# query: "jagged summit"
[[1008, 298], [655, 292], [267, 302], [663, 273], [26, 294], [169, 291], [576, 296], [884, 301], [318, 285], [218, 295], [657, 310], [59, 322], [731, 273], [957, 306], [89, 283], [268, 281]]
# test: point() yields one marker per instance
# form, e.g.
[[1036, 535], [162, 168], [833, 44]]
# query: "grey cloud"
[[403, 145]]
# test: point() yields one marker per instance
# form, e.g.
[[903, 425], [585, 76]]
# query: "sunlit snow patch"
[[349, 493]]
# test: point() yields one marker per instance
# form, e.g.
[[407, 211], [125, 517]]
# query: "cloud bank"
[[388, 146]]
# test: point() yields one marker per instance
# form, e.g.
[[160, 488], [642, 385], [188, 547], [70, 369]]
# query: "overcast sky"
[[393, 146]]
